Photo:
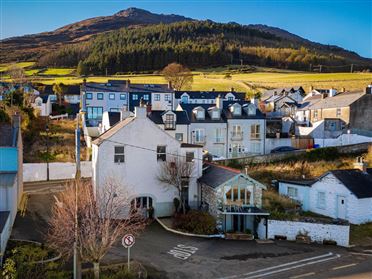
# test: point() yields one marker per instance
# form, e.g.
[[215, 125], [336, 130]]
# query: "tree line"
[[195, 44]]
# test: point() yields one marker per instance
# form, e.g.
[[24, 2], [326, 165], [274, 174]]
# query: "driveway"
[[177, 256]]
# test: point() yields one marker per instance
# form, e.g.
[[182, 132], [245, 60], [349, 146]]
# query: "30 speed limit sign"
[[128, 240]]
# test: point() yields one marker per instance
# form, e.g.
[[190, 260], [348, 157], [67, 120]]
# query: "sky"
[[346, 23]]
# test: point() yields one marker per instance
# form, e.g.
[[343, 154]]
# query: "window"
[[216, 114], [292, 192], [230, 98], [119, 154], [238, 195], [189, 156], [95, 112], [237, 130], [338, 112], [179, 136], [199, 135], [321, 200], [200, 114], [157, 97], [146, 97], [218, 135], [161, 153], [89, 96], [169, 123], [99, 96], [255, 131], [115, 109], [256, 147], [112, 96], [123, 96], [251, 109], [167, 97], [134, 97]]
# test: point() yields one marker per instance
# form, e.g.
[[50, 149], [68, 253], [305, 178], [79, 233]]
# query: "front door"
[[238, 223], [341, 207]]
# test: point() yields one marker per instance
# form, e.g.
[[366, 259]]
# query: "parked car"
[[283, 149]]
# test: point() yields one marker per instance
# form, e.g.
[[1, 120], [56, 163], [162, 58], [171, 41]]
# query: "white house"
[[341, 194], [72, 94], [132, 152], [227, 128], [43, 104]]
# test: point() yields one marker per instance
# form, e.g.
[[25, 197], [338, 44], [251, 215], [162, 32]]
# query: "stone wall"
[[318, 232]]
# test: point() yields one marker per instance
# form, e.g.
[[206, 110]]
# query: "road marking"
[[302, 275], [363, 254], [343, 266], [279, 266], [182, 252], [293, 267]]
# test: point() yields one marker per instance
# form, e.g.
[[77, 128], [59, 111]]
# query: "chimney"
[[332, 92], [360, 164], [254, 101], [232, 89], [219, 102], [213, 90], [170, 85], [128, 83], [368, 89], [124, 113], [140, 112]]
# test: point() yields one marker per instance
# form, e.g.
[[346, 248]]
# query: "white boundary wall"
[[318, 232], [38, 171], [344, 139]]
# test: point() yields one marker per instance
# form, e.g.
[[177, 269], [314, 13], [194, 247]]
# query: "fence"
[[38, 171], [61, 116], [344, 139]]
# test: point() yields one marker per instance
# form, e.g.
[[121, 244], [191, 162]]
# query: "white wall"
[[317, 232], [270, 144], [38, 171], [344, 139]]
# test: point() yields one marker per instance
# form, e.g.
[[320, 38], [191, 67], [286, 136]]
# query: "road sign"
[[128, 240]]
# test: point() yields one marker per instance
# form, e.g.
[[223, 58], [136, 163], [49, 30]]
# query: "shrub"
[[327, 154], [4, 117], [194, 221]]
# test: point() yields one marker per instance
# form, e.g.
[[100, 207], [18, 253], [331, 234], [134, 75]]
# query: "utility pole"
[[77, 265], [311, 65], [351, 68], [241, 62], [47, 147], [320, 68]]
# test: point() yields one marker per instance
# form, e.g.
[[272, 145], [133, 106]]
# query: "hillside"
[[136, 40], [30, 47]]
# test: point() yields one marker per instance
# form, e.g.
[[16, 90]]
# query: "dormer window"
[[236, 109], [215, 114], [250, 109], [199, 113], [169, 123]]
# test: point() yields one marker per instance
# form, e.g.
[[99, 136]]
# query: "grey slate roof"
[[281, 90], [181, 117], [309, 102], [340, 100], [359, 183], [300, 182], [215, 175], [123, 86], [209, 94]]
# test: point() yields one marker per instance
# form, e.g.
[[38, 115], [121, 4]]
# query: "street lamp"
[[47, 148]]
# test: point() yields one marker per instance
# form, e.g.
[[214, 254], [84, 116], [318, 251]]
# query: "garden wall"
[[38, 171], [344, 139], [317, 231]]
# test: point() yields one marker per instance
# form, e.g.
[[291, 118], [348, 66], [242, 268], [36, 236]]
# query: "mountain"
[[138, 40], [31, 47]]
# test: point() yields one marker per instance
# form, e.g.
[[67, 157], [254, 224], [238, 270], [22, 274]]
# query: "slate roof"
[[358, 182], [209, 94], [309, 102], [121, 86], [268, 93], [215, 175], [112, 131], [340, 100], [300, 182], [72, 90], [157, 117], [225, 114]]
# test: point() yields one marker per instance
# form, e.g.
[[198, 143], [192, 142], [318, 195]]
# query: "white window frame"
[[118, 153], [292, 192], [157, 97], [255, 131], [321, 200]]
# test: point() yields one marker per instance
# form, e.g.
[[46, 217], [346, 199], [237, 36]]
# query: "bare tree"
[[177, 173], [103, 217], [179, 76]]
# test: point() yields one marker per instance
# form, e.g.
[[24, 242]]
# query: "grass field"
[[255, 79]]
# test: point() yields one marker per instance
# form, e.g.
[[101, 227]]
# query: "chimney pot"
[[128, 83], [360, 164], [170, 85]]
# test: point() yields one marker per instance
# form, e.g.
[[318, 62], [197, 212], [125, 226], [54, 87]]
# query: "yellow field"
[[219, 78]]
